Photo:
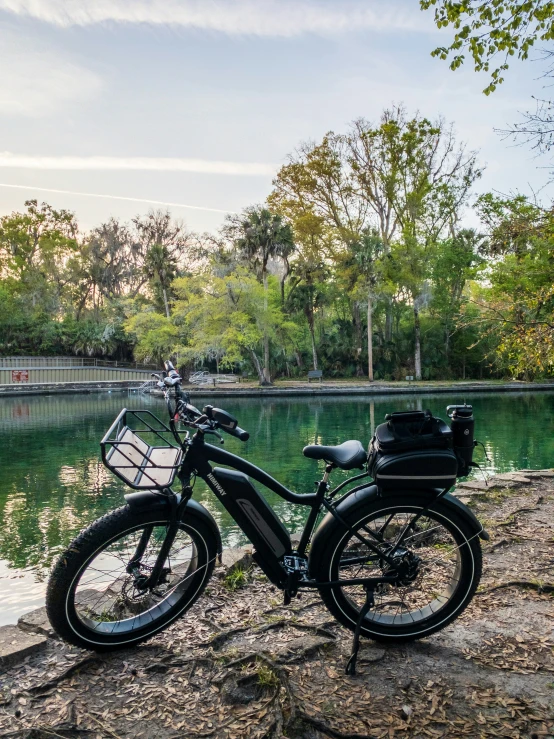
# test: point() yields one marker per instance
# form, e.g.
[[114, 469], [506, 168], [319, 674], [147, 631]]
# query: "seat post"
[[322, 488], [328, 469]]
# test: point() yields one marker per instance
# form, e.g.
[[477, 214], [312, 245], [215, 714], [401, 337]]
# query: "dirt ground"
[[240, 664]]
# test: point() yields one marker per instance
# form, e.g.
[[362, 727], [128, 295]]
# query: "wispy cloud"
[[37, 81], [244, 17], [114, 197], [158, 164]]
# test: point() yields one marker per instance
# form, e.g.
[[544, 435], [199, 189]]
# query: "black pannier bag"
[[413, 450]]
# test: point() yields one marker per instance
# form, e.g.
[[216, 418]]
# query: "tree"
[[517, 303], [366, 253], [258, 236], [490, 28], [456, 261], [160, 266], [166, 247], [316, 191], [226, 316], [156, 337], [416, 178]]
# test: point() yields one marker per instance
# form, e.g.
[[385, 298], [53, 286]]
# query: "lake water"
[[52, 482]]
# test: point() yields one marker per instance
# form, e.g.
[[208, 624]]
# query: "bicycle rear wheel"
[[92, 600], [442, 563]]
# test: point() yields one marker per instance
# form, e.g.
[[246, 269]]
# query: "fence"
[[24, 374], [65, 362]]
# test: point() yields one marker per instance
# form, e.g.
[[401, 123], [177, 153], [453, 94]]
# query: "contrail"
[[116, 197]]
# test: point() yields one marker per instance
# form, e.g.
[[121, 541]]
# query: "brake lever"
[[208, 430]]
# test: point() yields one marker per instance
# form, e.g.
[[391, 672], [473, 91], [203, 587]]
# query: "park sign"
[[20, 375]]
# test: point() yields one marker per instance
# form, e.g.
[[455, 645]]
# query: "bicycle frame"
[[285, 568], [274, 554]]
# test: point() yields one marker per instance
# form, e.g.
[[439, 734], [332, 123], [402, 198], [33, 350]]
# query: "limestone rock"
[[16, 644], [237, 558], [36, 622], [510, 477]]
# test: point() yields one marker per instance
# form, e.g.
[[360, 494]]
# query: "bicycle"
[[393, 560]]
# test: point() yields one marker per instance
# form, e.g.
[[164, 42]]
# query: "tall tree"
[[258, 236], [316, 191], [426, 178], [166, 247]]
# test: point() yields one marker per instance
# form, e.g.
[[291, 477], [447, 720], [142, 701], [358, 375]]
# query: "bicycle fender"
[[352, 504], [147, 499]]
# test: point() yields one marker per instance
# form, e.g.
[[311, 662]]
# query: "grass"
[[267, 678], [236, 579]]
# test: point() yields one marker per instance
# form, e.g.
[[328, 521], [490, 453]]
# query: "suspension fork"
[[177, 506]]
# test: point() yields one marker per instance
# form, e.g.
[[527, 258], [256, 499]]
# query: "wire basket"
[[142, 463]]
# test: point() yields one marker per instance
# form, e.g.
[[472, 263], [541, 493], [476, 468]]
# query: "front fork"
[[177, 507]]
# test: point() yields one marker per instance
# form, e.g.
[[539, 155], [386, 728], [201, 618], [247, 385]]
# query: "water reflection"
[[53, 483]]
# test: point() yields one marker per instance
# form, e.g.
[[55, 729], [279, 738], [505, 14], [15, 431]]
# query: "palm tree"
[[260, 235]]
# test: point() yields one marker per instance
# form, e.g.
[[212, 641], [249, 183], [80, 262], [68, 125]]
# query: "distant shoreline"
[[288, 388]]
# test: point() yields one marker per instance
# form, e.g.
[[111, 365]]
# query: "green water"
[[52, 482]]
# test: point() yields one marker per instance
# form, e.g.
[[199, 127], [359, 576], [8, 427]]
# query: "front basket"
[[142, 463]]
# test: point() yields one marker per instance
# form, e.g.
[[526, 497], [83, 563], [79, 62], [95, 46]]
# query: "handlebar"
[[238, 433], [208, 420]]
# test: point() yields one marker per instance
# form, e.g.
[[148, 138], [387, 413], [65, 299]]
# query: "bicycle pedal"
[[294, 563]]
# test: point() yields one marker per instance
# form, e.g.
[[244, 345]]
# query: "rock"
[[16, 644], [472, 485], [371, 654], [534, 474], [406, 711], [236, 559], [36, 622], [509, 477], [295, 539]]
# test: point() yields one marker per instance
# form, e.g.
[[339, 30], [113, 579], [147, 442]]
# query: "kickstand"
[[369, 602]]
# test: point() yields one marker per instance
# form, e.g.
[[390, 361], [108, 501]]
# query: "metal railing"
[[47, 362]]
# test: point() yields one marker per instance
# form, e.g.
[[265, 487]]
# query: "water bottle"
[[462, 427]]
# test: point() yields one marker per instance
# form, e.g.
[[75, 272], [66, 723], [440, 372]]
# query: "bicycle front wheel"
[[440, 559], [95, 602]]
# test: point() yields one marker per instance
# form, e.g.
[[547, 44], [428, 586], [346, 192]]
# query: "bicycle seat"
[[347, 456]]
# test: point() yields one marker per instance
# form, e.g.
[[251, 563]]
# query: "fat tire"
[[64, 577], [347, 614]]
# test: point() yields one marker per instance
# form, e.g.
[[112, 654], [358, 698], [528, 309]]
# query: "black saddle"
[[347, 456]]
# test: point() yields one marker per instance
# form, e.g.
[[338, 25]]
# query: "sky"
[[113, 107]]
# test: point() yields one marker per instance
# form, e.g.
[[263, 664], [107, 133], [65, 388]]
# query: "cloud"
[[114, 197], [236, 17], [40, 82], [156, 164]]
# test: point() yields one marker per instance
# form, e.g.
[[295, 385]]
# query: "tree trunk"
[[369, 339], [417, 335], [257, 366], [314, 351], [267, 375], [309, 313], [358, 337], [166, 304], [388, 321]]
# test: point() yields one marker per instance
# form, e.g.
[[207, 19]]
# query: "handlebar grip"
[[239, 433]]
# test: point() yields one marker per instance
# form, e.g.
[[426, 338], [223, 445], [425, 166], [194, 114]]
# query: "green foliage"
[[154, 335], [236, 579], [516, 305], [486, 29], [356, 265]]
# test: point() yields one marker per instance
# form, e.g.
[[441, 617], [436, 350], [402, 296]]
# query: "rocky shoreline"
[[241, 664]]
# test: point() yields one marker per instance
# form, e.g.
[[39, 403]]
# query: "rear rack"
[[143, 464]]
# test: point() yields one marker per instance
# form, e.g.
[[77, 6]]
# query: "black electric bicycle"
[[393, 560]]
